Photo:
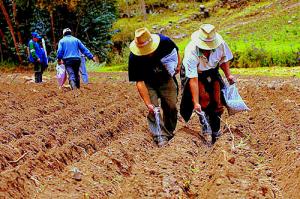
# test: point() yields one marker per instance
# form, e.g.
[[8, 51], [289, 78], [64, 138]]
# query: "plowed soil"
[[46, 134]]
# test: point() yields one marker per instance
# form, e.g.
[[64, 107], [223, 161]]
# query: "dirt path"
[[102, 131]]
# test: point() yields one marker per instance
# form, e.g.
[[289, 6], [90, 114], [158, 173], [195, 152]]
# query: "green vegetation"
[[269, 71], [90, 21], [261, 71], [267, 41], [262, 34]]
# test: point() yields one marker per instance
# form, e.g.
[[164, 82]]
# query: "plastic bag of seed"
[[234, 102], [61, 74]]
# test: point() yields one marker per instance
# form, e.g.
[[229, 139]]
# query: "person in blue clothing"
[[68, 53], [36, 56]]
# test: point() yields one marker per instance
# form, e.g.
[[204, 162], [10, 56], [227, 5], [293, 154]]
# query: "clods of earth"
[[95, 143]]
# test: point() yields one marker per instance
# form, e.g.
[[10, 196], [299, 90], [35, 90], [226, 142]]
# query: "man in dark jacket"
[[154, 80], [69, 52]]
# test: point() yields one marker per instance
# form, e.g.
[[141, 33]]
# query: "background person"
[[69, 52], [36, 56]]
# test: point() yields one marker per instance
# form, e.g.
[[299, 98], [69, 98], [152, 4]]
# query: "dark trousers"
[[167, 92], [38, 72], [72, 66]]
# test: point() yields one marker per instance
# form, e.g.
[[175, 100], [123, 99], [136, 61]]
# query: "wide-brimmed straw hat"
[[206, 37], [144, 42]]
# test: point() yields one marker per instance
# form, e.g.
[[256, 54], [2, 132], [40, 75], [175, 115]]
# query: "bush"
[[258, 57], [117, 58]]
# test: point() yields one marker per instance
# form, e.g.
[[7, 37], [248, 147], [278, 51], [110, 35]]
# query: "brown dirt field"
[[46, 133]]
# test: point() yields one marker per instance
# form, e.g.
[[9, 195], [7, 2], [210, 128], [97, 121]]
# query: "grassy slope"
[[261, 25], [261, 71]]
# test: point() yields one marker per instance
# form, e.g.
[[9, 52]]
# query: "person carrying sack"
[[154, 82], [68, 53], [201, 80]]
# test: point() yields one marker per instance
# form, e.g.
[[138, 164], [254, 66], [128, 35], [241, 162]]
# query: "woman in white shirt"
[[206, 52]]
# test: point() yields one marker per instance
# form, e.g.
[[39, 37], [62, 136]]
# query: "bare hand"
[[38, 60], [60, 62], [177, 70], [197, 107], [151, 108], [94, 59], [231, 79]]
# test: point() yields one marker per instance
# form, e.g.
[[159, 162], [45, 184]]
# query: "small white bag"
[[171, 62], [61, 74], [234, 102]]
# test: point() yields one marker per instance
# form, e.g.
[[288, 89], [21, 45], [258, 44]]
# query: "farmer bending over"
[[205, 53], [156, 80]]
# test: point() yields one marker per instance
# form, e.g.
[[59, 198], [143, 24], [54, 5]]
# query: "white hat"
[[206, 37], [66, 30]]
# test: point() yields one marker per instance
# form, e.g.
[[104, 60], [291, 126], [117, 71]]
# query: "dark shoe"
[[215, 136]]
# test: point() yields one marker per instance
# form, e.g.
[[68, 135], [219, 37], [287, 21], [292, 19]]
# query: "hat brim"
[[206, 45], [147, 49]]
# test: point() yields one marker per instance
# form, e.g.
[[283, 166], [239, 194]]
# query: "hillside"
[[260, 33]]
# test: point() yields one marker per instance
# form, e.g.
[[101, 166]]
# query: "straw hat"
[[206, 37], [144, 42]]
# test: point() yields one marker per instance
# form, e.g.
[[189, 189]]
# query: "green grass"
[[261, 34], [102, 67], [117, 68], [272, 33], [127, 26], [269, 71], [261, 71]]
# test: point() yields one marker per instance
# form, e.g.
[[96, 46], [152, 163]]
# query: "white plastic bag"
[[61, 74], [234, 102], [170, 62], [155, 125]]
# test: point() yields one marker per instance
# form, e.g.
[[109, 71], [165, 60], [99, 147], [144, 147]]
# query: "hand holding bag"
[[234, 102], [61, 74]]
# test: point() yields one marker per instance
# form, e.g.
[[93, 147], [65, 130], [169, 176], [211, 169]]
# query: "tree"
[[14, 7], [90, 21], [11, 29]]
